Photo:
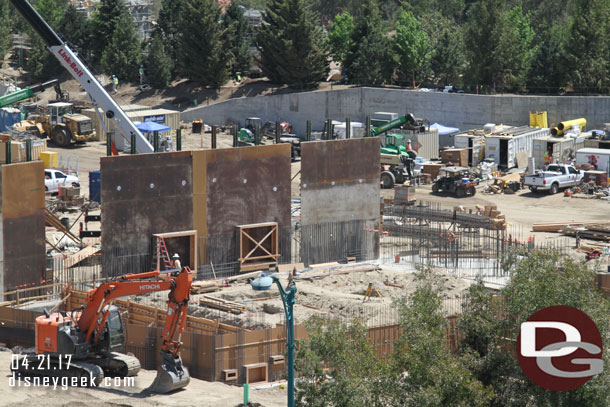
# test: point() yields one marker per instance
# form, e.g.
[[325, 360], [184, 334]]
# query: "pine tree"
[[411, 46], [291, 44], [339, 36], [104, 24], [587, 53], [237, 41], [75, 28], [158, 63], [122, 55], [369, 59], [170, 16], [5, 29], [447, 61], [203, 57]]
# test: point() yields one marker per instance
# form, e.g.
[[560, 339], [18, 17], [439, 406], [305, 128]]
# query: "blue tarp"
[[443, 130], [149, 127]]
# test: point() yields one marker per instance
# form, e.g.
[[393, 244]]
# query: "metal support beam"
[[214, 130], [108, 144]]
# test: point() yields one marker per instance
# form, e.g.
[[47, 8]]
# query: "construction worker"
[[115, 83], [409, 148], [176, 262]]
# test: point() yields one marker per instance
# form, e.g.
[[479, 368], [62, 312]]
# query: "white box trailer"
[[475, 144], [559, 149], [506, 143], [599, 158]]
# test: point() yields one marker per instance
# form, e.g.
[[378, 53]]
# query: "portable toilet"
[[95, 191]]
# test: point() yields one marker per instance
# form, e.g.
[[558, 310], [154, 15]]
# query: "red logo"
[[559, 348]]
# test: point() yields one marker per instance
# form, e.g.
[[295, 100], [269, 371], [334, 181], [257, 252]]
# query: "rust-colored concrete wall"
[[143, 194], [340, 180], [238, 186], [23, 224]]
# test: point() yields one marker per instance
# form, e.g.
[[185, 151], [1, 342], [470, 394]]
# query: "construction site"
[[145, 242]]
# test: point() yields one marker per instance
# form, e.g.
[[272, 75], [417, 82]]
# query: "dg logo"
[[560, 348]]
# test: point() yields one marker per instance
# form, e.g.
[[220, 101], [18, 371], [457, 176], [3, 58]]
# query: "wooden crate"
[[432, 169], [599, 177], [258, 246], [455, 156]]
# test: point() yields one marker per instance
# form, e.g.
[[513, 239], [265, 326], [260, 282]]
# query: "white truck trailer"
[[599, 158], [505, 145]]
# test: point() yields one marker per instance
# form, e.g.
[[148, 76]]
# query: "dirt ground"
[[198, 393], [333, 294]]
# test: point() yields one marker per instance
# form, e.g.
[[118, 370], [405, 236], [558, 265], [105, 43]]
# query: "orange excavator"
[[84, 343]]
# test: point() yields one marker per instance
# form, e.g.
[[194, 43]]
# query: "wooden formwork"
[[258, 246]]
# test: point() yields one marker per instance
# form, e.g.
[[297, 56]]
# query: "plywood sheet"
[[22, 189]]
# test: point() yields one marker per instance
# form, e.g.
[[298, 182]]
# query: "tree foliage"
[[122, 56], [203, 56], [104, 23], [412, 47], [339, 36], [291, 45], [168, 25], [369, 60], [237, 42], [158, 63], [75, 28]]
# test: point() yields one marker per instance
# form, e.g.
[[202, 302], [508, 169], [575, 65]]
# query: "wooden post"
[[214, 130]]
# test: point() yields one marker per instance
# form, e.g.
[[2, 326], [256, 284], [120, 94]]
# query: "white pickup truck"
[[554, 177], [54, 178]]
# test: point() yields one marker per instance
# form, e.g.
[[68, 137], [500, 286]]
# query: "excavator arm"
[[393, 124]]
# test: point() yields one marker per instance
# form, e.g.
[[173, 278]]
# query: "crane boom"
[[393, 124], [69, 60]]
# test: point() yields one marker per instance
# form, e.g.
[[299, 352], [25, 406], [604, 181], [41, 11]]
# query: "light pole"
[[288, 301]]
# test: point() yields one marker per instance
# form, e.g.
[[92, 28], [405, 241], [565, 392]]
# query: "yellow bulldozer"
[[61, 125]]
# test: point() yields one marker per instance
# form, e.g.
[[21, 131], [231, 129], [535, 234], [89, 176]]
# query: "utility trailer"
[[599, 158], [550, 149], [505, 144]]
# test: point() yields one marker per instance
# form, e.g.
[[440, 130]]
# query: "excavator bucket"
[[171, 375]]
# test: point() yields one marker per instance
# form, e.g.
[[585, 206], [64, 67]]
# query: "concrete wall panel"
[[340, 180], [464, 111], [22, 189], [144, 194]]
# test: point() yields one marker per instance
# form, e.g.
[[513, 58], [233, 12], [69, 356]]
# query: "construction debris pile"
[[589, 190], [585, 230]]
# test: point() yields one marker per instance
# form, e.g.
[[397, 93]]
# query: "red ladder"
[[160, 254]]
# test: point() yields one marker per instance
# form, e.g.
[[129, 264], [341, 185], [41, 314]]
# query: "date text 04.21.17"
[[41, 362]]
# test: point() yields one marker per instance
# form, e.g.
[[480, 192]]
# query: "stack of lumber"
[[498, 221], [52, 220], [557, 227], [202, 287], [224, 305], [594, 232]]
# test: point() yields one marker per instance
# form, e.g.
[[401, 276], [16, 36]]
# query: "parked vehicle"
[[54, 178], [553, 178], [455, 180]]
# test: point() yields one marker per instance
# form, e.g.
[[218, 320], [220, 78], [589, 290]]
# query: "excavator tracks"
[[32, 366], [117, 364]]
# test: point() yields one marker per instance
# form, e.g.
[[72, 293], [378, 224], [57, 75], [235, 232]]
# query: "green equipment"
[[26, 93], [408, 118]]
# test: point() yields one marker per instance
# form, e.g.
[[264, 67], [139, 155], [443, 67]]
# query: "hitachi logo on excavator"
[[150, 286], [70, 63]]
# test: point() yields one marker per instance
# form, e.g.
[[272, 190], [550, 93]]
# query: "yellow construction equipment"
[[370, 290]]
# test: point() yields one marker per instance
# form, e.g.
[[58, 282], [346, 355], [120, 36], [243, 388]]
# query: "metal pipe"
[[156, 141], [214, 130], [179, 140], [278, 132], [28, 150], [308, 131], [108, 144], [348, 128], [133, 143], [367, 130], [235, 136], [8, 151]]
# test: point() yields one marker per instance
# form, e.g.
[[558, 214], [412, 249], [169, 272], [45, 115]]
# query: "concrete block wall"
[[464, 111]]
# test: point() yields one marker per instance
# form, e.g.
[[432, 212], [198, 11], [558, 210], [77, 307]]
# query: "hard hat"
[[175, 256]]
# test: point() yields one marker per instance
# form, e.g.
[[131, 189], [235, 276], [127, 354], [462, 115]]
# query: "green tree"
[[237, 41], [587, 53], [291, 45], [170, 16], [5, 28], [435, 377], [447, 61], [490, 328], [158, 63], [339, 36], [369, 59], [40, 63], [202, 42], [75, 28], [343, 353], [546, 71], [411, 46], [499, 45], [104, 23], [122, 56]]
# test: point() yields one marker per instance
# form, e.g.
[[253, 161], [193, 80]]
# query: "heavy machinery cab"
[[59, 334], [252, 122], [57, 111]]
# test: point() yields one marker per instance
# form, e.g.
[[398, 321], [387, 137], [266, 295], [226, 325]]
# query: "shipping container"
[[559, 149], [597, 157], [597, 143], [97, 124], [506, 143], [474, 143]]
